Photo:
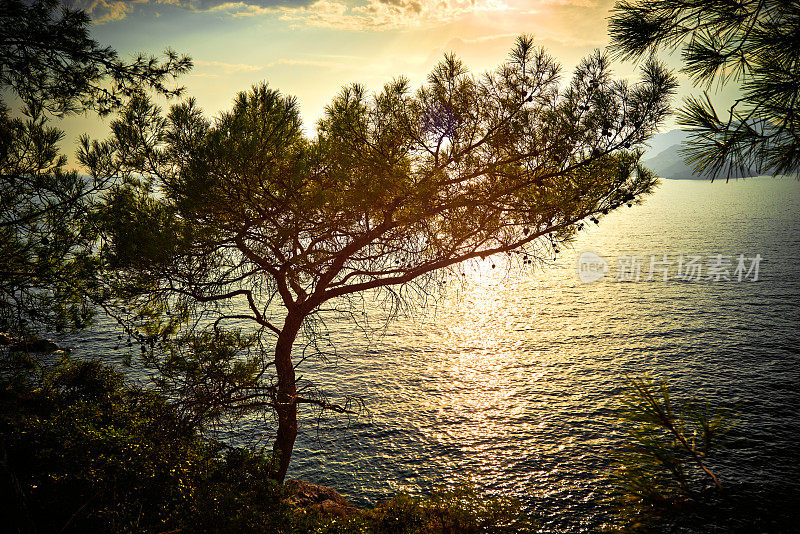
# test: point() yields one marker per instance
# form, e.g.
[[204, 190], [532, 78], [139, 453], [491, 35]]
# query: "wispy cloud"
[[336, 14], [107, 10], [112, 10], [386, 14], [576, 3], [318, 63], [227, 68]]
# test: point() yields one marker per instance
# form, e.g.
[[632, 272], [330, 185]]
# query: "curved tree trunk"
[[286, 407]]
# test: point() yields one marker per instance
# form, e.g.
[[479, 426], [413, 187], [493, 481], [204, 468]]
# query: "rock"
[[330, 507], [322, 498], [38, 345], [305, 493]]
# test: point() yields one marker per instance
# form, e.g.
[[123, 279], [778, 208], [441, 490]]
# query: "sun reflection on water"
[[509, 379], [488, 335]]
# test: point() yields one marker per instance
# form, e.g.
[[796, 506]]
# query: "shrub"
[[664, 465], [83, 450], [451, 510]]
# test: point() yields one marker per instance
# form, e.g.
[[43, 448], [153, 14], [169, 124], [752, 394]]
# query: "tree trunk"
[[286, 406]]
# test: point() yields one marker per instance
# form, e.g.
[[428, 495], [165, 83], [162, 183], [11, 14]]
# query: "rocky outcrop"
[[322, 498]]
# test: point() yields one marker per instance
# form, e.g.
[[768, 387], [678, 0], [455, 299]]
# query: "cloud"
[[107, 10], [227, 68], [210, 5], [111, 10], [323, 64], [336, 14], [387, 14], [573, 3]]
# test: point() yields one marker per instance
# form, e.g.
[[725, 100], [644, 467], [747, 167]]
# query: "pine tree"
[[49, 62], [752, 43], [226, 217]]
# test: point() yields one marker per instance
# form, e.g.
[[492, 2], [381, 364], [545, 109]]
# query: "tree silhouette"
[[49, 59], [753, 43], [222, 219], [45, 268], [50, 63]]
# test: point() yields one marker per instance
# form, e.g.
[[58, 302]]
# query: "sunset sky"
[[310, 49]]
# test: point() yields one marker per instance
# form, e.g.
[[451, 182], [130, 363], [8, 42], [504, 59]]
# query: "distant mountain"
[[664, 158], [663, 141]]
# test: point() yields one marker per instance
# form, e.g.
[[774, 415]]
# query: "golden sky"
[[311, 48]]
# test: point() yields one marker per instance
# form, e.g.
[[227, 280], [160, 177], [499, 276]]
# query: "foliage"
[[46, 265], [459, 509], [92, 453], [257, 223], [456, 510], [753, 43], [665, 460], [84, 451], [49, 59], [213, 376]]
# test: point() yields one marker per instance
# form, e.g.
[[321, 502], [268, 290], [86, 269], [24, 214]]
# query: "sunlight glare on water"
[[508, 380]]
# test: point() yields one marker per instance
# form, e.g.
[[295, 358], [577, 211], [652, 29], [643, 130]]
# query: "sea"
[[509, 379]]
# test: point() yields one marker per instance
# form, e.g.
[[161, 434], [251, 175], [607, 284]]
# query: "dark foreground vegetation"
[[84, 451], [182, 214]]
